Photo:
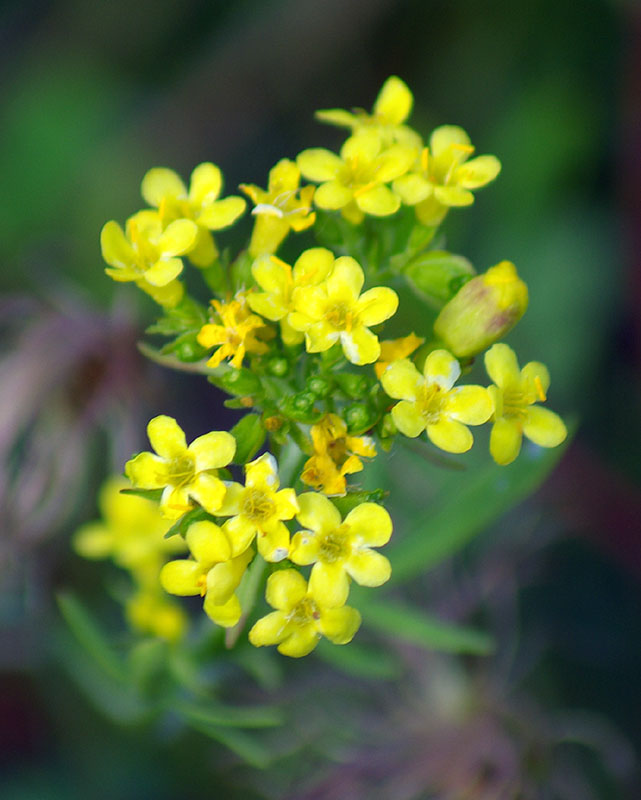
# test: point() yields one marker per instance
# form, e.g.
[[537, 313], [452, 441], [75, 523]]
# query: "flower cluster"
[[298, 347]]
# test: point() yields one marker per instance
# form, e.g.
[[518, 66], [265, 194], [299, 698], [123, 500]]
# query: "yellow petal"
[[501, 365], [94, 540], [453, 196], [337, 116], [181, 577], [376, 305], [505, 440], [285, 589], [205, 185], [209, 491], [394, 101], [544, 427], [537, 379], [363, 146], [477, 172], [313, 266], [204, 251], [346, 281], [270, 306], [273, 542], [317, 513], [412, 188], [159, 183], [213, 450], [272, 275], [208, 543], [270, 629], [368, 568], [222, 213], [329, 584], [379, 201], [408, 419], [223, 579], [233, 500], [116, 249], [262, 473], [147, 471], [164, 271], [300, 643], [318, 337], [401, 380], [210, 335], [166, 437], [471, 405], [226, 615], [450, 435], [370, 524], [240, 532], [284, 177], [442, 368], [318, 164], [286, 504], [445, 136], [333, 195], [360, 345], [339, 625], [178, 237], [304, 548], [394, 162]]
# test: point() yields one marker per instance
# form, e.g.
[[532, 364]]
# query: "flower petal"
[[360, 345], [240, 531], [544, 427], [329, 584], [273, 542], [147, 471], [442, 368], [205, 184], [181, 577], [501, 365], [379, 201], [272, 275], [412, 188], [285, 589], [286, 504], [394, 101], [304, 548], [376, 305], [313, 266], [319, 337], [450, 435], [333, 195], [223, 579], [445, 136], [362, 147], [116, 248], [408, 418], [226, 615], [370, 523], [505, 440], [163, 271], [477, 172], [317, 513], [453, 196], [284, 177], [166, 437], [318, 164], [471, 405], [159, 183], [213, 450], [208, 543], [401, 380], [300, 643], [222, 213], [270, 629], [368, 568], [178, 237], [339, 625], [209, 491], [233, 499], [346, 280]]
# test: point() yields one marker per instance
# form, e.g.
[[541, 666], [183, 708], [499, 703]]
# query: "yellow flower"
[[131, 532], [335, 455], [301, 617], [236, 334], [182, 472], [430, 403], [258, 509], [514, 395], [443, 176], [279, 280], [395, 350], [484, 309], [163, 189], [147, 254], [283, 207], [336, 311], [214, 572], [340, 550], [355, 182], [391, 109], [150, 611]]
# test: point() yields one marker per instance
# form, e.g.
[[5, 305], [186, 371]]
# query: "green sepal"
[[438, 275], [319, 385], [360, 417], [353, 385], [300, 407], [180, 525], [241, 382], [186, 348], [349, 501], [249, 434]]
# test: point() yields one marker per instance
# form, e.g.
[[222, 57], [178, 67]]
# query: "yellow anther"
[[539, 389]]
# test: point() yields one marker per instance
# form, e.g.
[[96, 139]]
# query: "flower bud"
[[359, 417], [319, 386], [482, 311]]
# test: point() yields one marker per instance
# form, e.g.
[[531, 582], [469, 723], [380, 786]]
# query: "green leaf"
[[188, 315], [149, 494], [249, 434], [242, 744], [438, 274], [350, 500], [180, 525], [416, 627], [359, 660], [89, 634], [230, 716], [466, 506]]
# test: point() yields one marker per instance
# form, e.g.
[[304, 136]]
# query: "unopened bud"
[[482, 311]]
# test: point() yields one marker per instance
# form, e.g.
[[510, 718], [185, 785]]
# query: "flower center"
[[339, 316], [304, 612], [514, 403], [337, 450], [182, 470], [257, 506], [335, 545], [430, 401]]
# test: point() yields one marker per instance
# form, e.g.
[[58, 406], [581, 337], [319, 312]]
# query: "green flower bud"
[[359, 417], [319, 386], [353, 385], [238, 381], [278, 366], [482, 311], [300, 407]]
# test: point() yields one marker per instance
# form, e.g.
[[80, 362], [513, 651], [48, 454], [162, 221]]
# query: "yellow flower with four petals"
[[431, 403], [182, 472], [514, 394], [301, 617], [235, 334]]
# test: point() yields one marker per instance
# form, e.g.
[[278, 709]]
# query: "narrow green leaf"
[[90, 636], [249, 434], [230, 716], [360, 661], [149, 494], [181, 525], [242, 744], [419, 628]]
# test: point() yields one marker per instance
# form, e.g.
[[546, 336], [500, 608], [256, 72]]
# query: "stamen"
[[539, 389]]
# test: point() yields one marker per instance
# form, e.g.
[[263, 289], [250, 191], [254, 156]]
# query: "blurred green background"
[[95, 93]]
